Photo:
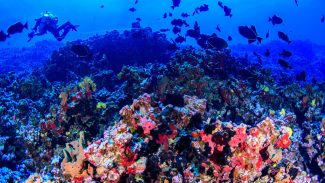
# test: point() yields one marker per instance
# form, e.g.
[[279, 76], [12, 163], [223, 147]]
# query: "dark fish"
[[285, 53], [301, 76], [101, 6], [136, 25], [132, 9], [201, 8], [267, 34], [226, 9], [165, 15], [136, 2], [192, 33], [284, 37], [229, 38], [195, 32], [204, 7], [170, 14], [296, 1], [211, 42], [196, 26], [249, 33], [185, 15], [267, 53], [138, 19], [216, 43], [275, 20], [3, 36], [220, 4], [80, 50], [17, 28], [218, 28], [164, 30], [323, 19], [179, 22], [180, 39], [284, 64], [176, 30], [176, 3]]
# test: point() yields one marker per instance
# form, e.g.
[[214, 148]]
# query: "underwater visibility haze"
[[175, 91]]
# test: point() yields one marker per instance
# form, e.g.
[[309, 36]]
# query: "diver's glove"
[[74, 27]]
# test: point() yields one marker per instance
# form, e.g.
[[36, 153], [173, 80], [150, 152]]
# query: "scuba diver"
[[48, 22]]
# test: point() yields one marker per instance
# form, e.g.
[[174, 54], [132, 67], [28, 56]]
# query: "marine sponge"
[[74, 164]]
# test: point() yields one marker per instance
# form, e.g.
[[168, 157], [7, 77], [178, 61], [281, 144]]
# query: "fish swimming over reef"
[[285, 53], [17, 28], [180, 39], [3, 36], [301, 76], [275, 20], [132, 9], [185, 15], [249, 33], [284, 37], [201, 8], [226, 9], [284, 64], [81, 50], [176, 3], [195, 32], [179, 22], [211, 42], [176, 30]]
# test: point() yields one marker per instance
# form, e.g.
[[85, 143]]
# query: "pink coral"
[[239, 137], [147, 125]]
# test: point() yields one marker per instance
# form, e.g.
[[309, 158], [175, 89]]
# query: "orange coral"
[[73, 164]]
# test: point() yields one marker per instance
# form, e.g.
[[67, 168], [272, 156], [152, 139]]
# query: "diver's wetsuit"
[[47, 23]]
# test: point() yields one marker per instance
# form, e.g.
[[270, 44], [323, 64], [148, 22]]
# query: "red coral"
[[238, 161], [78, 179], [128, 157], [163, 140], [240, 137], [259, 162], [254, 132], [208, 139], [284, 141]]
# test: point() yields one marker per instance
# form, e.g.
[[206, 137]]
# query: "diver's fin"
[[259, 39], [74, 27], [26, 25], [251, 41]]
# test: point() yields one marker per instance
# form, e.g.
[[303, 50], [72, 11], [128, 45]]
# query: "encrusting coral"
[[222, 151]]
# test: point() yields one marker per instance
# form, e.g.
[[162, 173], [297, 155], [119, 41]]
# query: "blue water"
[[301, 23]]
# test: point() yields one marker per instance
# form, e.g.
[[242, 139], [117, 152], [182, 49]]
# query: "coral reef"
[[178, 116]]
